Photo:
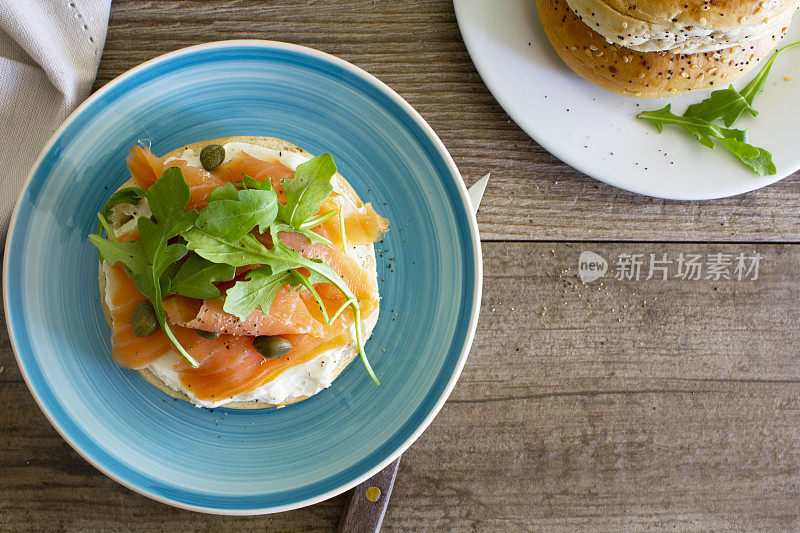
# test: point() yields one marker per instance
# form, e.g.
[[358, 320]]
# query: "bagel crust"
[[685, 26], [643, 74], [369, 262]]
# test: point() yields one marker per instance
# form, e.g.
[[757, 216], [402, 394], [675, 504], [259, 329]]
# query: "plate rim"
[[412, 113], [566, 156]]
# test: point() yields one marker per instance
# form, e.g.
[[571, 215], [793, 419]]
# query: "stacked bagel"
[[652, 48]]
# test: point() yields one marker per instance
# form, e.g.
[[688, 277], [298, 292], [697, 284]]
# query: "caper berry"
[[272, 347], [207, 334], [212, 156], [144, 321]]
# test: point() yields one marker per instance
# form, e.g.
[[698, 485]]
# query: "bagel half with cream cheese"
[[294, 383], [657, 48]]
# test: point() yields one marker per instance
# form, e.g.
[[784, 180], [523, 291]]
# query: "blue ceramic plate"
[[226, 460]]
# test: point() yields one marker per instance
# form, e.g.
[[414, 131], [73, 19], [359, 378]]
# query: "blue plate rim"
[[440, 148]]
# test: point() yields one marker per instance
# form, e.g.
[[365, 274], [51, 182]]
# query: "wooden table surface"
[[616, 404]]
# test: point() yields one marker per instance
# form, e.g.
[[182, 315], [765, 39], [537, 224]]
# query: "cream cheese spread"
[[703, 35]]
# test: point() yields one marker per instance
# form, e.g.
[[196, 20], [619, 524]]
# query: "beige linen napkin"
[[49, 52]]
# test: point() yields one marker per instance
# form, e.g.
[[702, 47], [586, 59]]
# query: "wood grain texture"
[[415, 47], [612, 404], [644, 405]]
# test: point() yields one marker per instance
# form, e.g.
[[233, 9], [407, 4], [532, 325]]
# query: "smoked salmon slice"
[[287, 315], [229, 364], [132, 235], [127, 349], [243, 164], [146, 168], [360, 228], [358, 279], [234, 366]]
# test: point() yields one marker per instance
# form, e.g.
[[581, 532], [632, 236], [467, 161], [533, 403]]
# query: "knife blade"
[[476, 192]]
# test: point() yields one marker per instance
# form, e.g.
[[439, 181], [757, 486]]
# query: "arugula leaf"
[[246, 251], [277, 227], [763, 164], [167, 198], [317, 220], [740, 149], [310, 186], [224, 192], [231, 219], [757, 159], [166, 278], [262, 203], [249, 251], [252, 183], [261, 287], [259, 291], [128, 195], [195, 278], [129, 254], [214, 222], [726, 104], [308, 282], [756, 85], [158, 252], [704, 131]]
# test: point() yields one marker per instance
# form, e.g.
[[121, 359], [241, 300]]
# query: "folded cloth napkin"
[[49, 52]]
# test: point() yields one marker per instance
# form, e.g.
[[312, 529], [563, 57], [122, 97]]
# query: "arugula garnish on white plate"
[[726, 105]]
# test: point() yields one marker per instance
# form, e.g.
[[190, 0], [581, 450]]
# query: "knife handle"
[[367, 503]]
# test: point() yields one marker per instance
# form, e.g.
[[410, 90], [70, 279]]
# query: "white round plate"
[[598, 133]]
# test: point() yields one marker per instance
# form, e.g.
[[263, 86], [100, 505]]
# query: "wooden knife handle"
[[367, 503]]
